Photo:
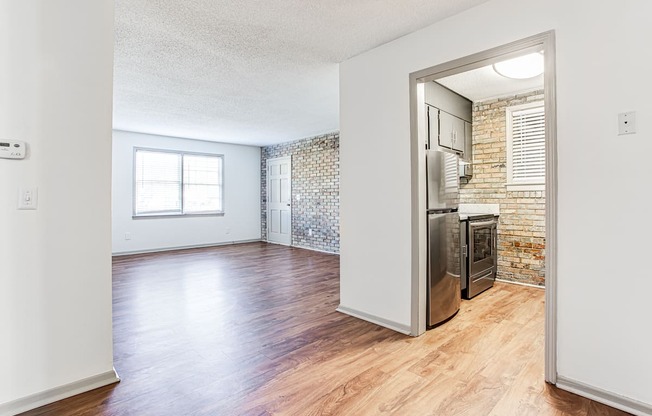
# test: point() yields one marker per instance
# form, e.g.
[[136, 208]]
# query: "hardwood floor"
[[252, 330]]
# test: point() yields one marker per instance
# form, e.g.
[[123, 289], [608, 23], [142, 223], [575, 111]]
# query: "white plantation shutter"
[[526, 145], [177, 183]]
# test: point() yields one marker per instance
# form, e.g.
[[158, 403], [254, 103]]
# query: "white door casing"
[[279, 200], [543, 41]]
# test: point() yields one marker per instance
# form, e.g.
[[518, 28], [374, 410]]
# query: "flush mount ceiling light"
[[523, 67]]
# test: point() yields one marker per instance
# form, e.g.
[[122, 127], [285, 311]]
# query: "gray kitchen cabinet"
[[433, 127], [468, 140], [466, 159], [449, 123], [451, 132], [440, 97]]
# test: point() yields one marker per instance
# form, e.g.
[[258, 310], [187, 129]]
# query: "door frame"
[[267, 188], [545, 41]]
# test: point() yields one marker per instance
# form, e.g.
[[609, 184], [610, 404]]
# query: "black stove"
[[479, 246]]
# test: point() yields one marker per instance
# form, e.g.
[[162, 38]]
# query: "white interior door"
[[279, 200]]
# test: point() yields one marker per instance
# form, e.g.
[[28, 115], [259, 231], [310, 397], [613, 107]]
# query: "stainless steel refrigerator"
[[444, 262]]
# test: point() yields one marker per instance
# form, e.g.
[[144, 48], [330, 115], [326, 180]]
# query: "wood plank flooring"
[[252, 330]]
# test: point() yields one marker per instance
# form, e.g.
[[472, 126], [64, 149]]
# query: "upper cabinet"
[[447, 114], [451, 102], [451, 132], [447, 131], [466, 167], [449, 122]]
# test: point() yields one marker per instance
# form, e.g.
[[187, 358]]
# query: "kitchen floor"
[[252, 329]]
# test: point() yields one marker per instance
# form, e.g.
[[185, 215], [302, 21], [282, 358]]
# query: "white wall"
[[603, 68], [241, 219], [56, 60]]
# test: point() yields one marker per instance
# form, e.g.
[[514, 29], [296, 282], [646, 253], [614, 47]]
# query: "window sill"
[[159, 216], [526, 187]]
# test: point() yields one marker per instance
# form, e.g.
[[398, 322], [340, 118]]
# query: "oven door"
[[482, 249]]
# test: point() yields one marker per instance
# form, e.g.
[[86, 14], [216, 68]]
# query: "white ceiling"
[[484, 83], [250, 71]]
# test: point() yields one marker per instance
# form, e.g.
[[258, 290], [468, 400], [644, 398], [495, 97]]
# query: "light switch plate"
[[27, 198], [627, 123]]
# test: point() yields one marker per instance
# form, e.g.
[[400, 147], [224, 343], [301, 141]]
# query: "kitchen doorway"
[[543, 44]]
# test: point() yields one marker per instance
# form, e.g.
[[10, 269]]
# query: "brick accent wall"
[[315, 190], [521, 228]]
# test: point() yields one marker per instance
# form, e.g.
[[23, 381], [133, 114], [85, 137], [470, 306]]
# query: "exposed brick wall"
[[316, 181], [521, 228]]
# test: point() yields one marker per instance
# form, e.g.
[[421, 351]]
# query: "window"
[[177, 183], [526, 147]]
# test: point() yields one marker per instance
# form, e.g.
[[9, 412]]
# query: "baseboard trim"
[[58, 393], [157, 250], [394, 326], [317, 250], [302, 247], [276, 242], [610, 399], [520, 284]]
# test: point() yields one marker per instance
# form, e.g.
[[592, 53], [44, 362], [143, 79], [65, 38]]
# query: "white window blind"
[[177, 183], [526, 139]]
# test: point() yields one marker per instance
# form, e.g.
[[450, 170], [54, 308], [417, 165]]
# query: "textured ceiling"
[[250, 71], [484, 83]]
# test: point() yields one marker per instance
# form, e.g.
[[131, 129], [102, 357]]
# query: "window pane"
[[158, 182], [201, 198], [202, 177]]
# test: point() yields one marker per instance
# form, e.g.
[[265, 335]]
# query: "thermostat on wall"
[[10, 149]]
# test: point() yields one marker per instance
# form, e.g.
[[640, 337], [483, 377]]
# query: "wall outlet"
[[310, 231], [627, 123], [127, 236]]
